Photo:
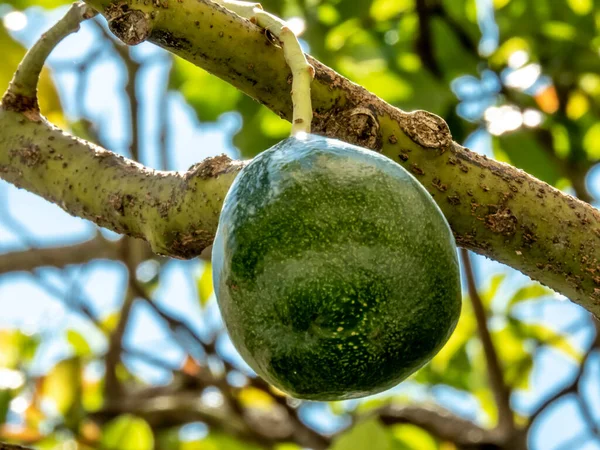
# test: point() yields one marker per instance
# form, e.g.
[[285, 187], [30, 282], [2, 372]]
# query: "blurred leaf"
[[90, 431], [23, 4], [560, 31], [581, 7], [452, 365], [16, 348], [190, 366], [12, 54], [218, 441], [516, 359], [251, 397], [529, 292], [547, 99], [488, 404], [526, 153], [127, 432], [62, 385], [208, 95], [261, 128], [287, 446], [79, 343], [557, 341], [369, 434], [488, 295], [591, 141], [412, 437], [92, 397], [205, 284], [110, 321], [387, 9], [6, 396]]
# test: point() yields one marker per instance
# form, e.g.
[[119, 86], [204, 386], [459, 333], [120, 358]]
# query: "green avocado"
[[335, 272]]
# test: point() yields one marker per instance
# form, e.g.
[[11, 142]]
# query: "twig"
[[494, 368], [21, 95], [132, 68], [572, 387], [60, 257], [4, 446], [302, 72], [112, 386], [441, 423]]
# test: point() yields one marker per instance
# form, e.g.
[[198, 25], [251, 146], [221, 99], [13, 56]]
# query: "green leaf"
[[364, 435], [208, 95], [49, 4], [526, 153], [6, 396], [79, 343], [465, 330], [205, 284], [218, 441], [560, 31], [488, 295], [261, 128], [62, 385], [581, 7], [16, 348], [530, 292], [12, 54], [387, 9], [591, 141], [412, 437], [127, 432], [557, 341]]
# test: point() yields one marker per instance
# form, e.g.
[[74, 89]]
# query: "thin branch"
[[442, 424], [60, 257], [570, 388], [112, 385], [5, 446], [495, 372], [21, 95]]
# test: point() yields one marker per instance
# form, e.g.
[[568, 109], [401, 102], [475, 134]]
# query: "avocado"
[[335, 272]]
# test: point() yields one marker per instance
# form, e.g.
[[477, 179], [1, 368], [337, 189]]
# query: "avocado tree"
[[520, 77]]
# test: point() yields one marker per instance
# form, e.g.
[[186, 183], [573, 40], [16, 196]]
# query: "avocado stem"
[[302, 72]]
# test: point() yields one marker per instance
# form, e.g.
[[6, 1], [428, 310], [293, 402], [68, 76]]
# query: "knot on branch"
[[427, 129], [131, 26], [21, 104], [358, 126]]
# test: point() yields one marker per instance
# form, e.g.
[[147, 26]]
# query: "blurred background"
[[104, 345]]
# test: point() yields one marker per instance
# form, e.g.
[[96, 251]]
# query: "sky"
[[24, 304]]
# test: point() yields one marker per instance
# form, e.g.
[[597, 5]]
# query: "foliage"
[[528, 81]]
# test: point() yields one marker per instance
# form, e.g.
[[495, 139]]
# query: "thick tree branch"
[[177, 213], [493, 208]]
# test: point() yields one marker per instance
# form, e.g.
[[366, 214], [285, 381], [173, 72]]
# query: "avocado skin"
[[335, 272]]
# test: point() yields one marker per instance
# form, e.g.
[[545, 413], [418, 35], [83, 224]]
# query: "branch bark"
[[60, 257], [493, 208]]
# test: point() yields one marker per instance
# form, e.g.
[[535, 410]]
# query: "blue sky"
[[26, 305]]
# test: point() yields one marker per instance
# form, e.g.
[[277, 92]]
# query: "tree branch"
[[4, 446], [493, 208], [506, 423], [442, 424], [22, 92], [60, 257]]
